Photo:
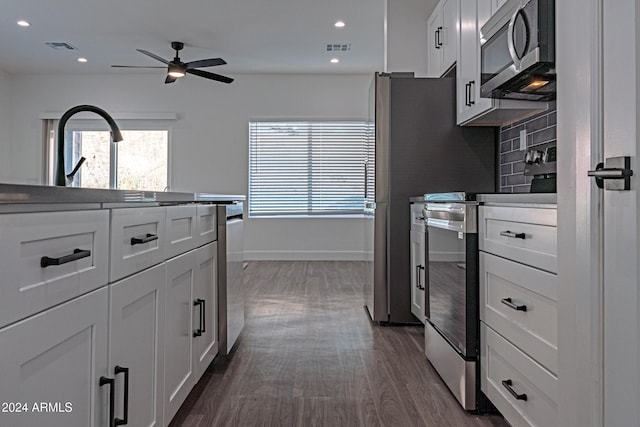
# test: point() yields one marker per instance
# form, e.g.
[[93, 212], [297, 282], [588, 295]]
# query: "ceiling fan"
[[176, 68]]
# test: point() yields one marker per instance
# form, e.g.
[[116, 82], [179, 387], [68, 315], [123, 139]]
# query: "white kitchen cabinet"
[[74, 247], [181, 229], [518, 311], [138, 240], [57, 358], [442, 39], [417, 256], [179, 373], [472, 109], [136, 343], [205, 315], [191, 340]]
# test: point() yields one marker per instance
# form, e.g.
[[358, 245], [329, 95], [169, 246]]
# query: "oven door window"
[[447, 285]]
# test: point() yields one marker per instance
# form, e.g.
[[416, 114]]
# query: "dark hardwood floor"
[[309, 356]]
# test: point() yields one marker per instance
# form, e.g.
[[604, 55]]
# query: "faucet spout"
[[116, 135]]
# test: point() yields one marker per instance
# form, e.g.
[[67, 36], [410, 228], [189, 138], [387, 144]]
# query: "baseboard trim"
[[304, 256]]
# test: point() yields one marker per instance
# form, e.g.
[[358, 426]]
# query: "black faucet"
[[116, 136]]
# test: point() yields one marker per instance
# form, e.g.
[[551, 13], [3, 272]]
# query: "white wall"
[[406, 35], [209, 151], [5, 131]]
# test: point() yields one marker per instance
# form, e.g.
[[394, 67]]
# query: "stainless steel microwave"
[[517, 58]]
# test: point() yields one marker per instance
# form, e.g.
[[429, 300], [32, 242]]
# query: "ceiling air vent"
[[60, 46], [338, 47]]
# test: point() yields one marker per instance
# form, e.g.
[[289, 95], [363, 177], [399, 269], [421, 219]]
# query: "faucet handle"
[[72, 174]]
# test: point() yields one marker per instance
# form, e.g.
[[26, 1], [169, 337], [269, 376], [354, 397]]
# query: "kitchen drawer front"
[[137, 240], [500, 361], [417, 220], [507, 289], [206, 224], [181, 230], [526, 235], [78, 240]]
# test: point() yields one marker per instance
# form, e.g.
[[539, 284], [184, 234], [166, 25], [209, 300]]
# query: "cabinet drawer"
[[504, 367], [78, 241], [519, 302], [181, 230], [206, 224], [137, 240], [526, 235]]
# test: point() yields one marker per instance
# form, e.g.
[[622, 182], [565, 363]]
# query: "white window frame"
[[157, 121]]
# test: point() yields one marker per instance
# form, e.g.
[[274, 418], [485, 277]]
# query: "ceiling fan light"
[[176, 71]]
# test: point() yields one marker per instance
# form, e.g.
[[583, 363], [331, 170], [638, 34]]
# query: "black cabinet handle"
[[467, 94], [77, 254], [203, 312], [471, 85], [120, 370], [436, 38], [508, 385], [513, 235], [509, 303], [146, 239], [419, 283], [112, 398], [198, 332], [439, 34]]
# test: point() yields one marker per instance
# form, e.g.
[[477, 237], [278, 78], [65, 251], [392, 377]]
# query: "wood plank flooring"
[[310, 356]]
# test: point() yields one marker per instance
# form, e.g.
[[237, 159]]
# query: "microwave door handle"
[[510, 34]]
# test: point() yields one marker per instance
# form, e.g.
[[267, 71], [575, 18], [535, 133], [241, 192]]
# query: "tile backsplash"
[[541, 129]]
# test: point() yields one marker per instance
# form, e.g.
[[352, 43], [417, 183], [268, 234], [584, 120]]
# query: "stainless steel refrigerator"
[[414, 147]]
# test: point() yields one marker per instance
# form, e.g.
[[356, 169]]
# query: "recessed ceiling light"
[[334, 60], [82, 59], [23, 23], [339, 24]]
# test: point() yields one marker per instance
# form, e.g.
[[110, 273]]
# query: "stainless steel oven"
[[517, 58], [451, 294]]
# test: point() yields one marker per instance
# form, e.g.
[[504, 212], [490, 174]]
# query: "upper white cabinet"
[[442, 37], [473, 109]]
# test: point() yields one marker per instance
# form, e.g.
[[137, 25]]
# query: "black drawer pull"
[[508, 385], [509, 303], [112, 398], [125, 419], [513, 235], [146, 239], [77, 254], [198, 332]]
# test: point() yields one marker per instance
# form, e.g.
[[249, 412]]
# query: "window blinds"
[[306, 168]]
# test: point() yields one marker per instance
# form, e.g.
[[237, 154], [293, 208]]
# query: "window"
[[306, 168], [139, 162]]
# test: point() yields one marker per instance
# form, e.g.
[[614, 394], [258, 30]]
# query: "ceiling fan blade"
[[170, 79], [212, 62], [211, 76], [134, 66], [154, 56]]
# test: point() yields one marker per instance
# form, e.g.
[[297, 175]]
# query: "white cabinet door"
[[205, 314], [417, 274], [449, 36], [136, 343], [178, 355], [56, 358], [496, 4], [435, 56]]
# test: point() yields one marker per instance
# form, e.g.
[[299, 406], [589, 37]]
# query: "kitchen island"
[[109, 302]]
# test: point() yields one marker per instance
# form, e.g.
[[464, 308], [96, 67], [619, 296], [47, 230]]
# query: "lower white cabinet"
[[51, 365], [190, 323], [136, 346], [417, 274]]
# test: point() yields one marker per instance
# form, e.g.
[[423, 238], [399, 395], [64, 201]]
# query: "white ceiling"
[[253, 36]]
